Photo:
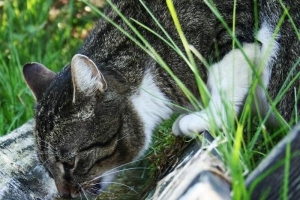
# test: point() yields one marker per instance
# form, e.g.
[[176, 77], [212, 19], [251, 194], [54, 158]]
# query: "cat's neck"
[[151, 104]]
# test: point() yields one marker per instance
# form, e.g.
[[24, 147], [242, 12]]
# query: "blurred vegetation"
[[45, 31]]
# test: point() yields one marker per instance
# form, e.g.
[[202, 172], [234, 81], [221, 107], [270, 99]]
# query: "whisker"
[[90, 193], [126, 164], [50, 153], [111, 170], [44, 142], [123, 137], [104, 191], [83, 191], [49, 149], [45, 163], [117, 183], [45, 166], [114, 172]]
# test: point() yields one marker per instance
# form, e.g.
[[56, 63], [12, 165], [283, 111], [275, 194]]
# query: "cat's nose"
[[63, 191], [68, 192], [68, 195], [64, 195], [75, 194]]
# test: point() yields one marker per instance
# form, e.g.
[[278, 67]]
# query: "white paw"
[[191, 124]]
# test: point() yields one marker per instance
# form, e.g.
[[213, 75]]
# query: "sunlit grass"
[[34, 30]]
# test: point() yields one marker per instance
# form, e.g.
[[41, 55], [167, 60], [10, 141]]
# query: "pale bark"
[[277, 176], [22, 176], [200, 175]]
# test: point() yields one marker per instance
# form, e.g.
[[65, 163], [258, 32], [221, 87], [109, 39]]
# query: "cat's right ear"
[[38, 78], [86, 77]]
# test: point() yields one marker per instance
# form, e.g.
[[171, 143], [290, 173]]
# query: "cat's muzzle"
[[92, 188]]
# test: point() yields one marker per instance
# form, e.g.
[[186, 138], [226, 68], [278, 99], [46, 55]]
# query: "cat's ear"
[[38, 78], [86, 77]]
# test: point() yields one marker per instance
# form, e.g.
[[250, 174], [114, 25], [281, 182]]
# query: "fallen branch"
[[22, 176], [277, 176], [201, 175]]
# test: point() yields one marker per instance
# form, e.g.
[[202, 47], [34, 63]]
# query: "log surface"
[[268, 179], [199, 175], [22, 176]]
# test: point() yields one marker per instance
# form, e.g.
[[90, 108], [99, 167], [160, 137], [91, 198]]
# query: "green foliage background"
[[45, 31]]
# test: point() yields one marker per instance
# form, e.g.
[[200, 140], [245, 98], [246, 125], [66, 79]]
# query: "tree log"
[[22, 176], [199, 176], [277, 176]]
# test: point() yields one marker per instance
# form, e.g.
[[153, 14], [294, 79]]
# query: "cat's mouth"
[[87, 189], [92, 188]]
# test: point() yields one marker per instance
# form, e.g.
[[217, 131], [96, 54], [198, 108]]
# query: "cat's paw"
[[191, 124]]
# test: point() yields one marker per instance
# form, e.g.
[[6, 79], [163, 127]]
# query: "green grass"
[[48, 32], [29, 33]]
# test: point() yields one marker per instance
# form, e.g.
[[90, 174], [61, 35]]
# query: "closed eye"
[[103, 155], [100, 144], [97, 162]]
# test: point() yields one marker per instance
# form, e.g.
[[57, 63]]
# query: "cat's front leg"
[[229, 81]]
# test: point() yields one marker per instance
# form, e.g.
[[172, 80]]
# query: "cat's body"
[[99, 112]]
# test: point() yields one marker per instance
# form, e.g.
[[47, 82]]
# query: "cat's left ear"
[[38, 78], [86, 77]]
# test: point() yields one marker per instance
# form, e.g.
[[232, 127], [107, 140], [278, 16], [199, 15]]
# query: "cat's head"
[[85, 127]]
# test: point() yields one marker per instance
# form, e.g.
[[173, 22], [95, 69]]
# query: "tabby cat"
[[100, 110]]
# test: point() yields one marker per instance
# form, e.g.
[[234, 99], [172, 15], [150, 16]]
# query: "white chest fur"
[[151, 105]]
